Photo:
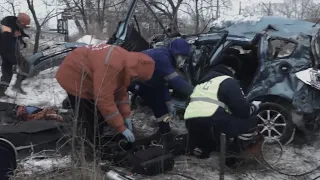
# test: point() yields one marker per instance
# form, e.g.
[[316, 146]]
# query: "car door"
[[275, 75], [315, 48], [201, 60], [314, 74]]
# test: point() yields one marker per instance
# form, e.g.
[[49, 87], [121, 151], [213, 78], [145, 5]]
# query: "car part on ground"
[[151, 161], [112, 175], [275, 122], [8, 156], [50, 58]]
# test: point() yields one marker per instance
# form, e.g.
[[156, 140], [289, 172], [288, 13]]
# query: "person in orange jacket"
[[100, 75]]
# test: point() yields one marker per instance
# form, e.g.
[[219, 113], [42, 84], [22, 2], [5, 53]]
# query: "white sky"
[[41, 9]]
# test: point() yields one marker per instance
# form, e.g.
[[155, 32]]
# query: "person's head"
[[180, 50], [140, 66], [228, 65], [23, 20]]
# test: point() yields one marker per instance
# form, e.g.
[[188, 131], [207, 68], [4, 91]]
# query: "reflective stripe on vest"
[[204, 99]]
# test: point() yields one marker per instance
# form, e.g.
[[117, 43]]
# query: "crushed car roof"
[[281, 27]]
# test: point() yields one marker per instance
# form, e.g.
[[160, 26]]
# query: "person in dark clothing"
[[11, 29], [155, 93], [218, 105], [21, 36]]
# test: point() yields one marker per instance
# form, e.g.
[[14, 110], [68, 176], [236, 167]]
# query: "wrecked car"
[[272, 50], [50, 57]]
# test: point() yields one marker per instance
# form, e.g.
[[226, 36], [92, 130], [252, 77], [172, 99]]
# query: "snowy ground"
[[43, 90]]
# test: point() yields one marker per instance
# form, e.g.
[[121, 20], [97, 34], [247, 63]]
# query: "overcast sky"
[[42, 11]]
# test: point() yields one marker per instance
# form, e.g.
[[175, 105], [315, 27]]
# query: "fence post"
[[222, 158]]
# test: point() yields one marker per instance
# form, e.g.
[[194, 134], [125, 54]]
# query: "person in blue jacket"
[[155, 92]]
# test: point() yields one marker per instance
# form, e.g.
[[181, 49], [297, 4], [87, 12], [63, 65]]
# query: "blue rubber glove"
[[129, 135], [171, 109], [128, 123]]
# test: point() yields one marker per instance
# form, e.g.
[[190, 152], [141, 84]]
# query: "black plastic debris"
[[8, 159]]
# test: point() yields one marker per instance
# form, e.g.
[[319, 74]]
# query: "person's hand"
[[171, 109], [128, 135], [256, 104], [128, 123]]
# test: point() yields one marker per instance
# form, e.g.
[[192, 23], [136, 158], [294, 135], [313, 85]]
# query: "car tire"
[[283, 124]]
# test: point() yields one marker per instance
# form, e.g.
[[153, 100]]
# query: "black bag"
[[151, 161]]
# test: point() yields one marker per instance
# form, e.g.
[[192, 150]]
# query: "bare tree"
[[168, 8], [259, 9], [39, 22], [295, 9], [77, 22], [13, 4], [91, 15], [203, 12]]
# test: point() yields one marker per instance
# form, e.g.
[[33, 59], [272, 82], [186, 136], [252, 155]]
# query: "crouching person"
[[99, 75], [216, 106]]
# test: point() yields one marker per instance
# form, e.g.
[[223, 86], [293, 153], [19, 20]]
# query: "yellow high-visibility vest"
[[204, 100]]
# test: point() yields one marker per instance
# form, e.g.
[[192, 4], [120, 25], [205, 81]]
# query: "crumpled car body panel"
[[270, 80]]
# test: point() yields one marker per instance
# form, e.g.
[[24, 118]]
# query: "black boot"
[[17, 85], [2, 90]]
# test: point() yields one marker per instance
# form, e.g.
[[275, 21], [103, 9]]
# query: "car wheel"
[[275, 122]]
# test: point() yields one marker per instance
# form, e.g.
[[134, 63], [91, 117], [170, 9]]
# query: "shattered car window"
[[278, 48]]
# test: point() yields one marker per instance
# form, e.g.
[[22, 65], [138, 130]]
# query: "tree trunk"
[[36, 40], [76, 21], [174, 22], [197, 18], [80, 28], [13, 8], [37, 37]]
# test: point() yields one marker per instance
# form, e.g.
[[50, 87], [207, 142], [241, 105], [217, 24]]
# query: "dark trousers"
[[154, 98], [204, 132], [7, 71], [87, 117], [7, 67]]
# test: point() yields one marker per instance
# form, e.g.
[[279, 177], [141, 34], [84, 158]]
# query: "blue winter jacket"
[[164, 69]]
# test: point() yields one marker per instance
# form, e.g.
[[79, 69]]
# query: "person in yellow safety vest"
[[218, 105]]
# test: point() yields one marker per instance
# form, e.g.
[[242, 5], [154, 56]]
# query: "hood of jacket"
[[179, 46], [139, 66]]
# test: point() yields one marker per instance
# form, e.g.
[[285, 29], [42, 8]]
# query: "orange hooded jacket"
[[102, 73]]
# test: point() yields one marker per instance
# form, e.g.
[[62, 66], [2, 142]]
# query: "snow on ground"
[[89, 39], [227, 21], [32, 165], [43, 90]]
